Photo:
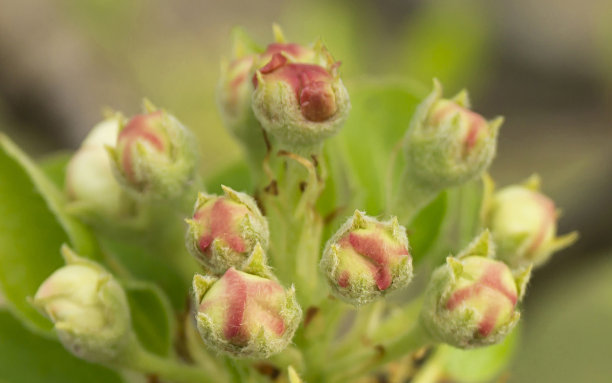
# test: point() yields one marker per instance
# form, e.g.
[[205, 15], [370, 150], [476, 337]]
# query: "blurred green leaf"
[[462, 221], [147, 258], [381, 112], [237, 176], [425, 228], [151, 316], [54, 167], [32, 229], [479, 365], [27, 358], [447, 40]]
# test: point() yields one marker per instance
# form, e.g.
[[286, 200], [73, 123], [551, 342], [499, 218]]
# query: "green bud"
[[91, 187], [299, 97], [367, 259], [155, 154], [225, 229], [88, 307], [447, 144], [524, 224], [245, 315], [471, 300]]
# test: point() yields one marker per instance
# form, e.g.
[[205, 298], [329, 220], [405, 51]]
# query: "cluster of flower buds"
[[367, 259], [91, 187], [225, 229], [295, 92], [524, 225], [88, 307], [447, 144], [471, 300], [155, 155], [246, 313]]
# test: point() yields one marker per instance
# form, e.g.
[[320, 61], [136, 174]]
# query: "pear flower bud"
[[300, 103], [236, 86], [88, 307], [225, 229], [524, 224], [245, 315], [155, 154], [471, 300], [367, 259], [447, 144], [92, 190]]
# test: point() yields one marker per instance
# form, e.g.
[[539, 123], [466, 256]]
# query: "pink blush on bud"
[[220, 222], [237, 299]]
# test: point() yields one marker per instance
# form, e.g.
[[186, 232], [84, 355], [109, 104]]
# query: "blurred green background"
[[546, 65]]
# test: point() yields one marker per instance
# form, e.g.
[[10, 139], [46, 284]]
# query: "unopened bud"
[[299, 98], [367, 259], [524, 225], [245, 315], [225, 229], [155, 154], [88, 307], [472, 300], [92, 190], [447, 144]]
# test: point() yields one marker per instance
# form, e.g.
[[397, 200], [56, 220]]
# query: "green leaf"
[[461, 221], [425, 228], [237, 176], [32, 229], [381, 112], [27, 358], [80, 237], [482, 364], [151, 316], [54, 166]]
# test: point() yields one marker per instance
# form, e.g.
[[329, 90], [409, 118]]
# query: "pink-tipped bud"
[[298, 98], [367, 259], [155, 154], [524, 225], [245, 315], [472, 300], [225, 229], [448, 144]]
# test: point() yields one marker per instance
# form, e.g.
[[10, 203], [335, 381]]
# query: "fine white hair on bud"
[[524, 224], [367, 259], [245, 315], [472, 299], [88, 308], [155, 155], [224, 230], [447, 144]]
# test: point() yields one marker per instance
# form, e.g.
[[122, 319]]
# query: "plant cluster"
[[323, 257]]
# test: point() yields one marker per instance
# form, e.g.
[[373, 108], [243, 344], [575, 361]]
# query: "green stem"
[[139, 359], [411, 197], [374, 357]]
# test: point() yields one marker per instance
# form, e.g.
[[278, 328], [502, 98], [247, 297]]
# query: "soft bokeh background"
[[546, 65]]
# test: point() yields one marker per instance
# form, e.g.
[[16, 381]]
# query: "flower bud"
[[471, 300], [367, 259], [92, 190], [88, 307], [225, 229], [299, 99], [524, 225], [447, 144], [236, 87], [245, 315], [155, 154]]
